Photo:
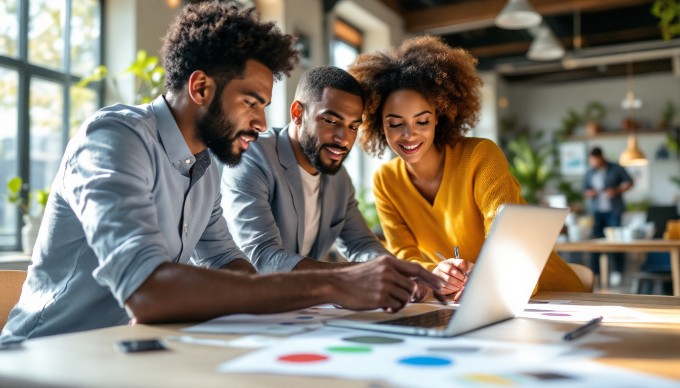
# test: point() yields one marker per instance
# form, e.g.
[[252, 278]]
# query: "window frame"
[[26, 71]]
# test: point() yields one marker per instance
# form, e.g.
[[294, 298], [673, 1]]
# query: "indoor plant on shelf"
[[593, 115], [29, 232]]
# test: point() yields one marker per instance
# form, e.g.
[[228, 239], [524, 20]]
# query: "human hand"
[[385, 282], [590, 193], [455, 273], [611, 192]]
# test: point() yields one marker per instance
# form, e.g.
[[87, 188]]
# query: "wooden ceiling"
[[602, 24]]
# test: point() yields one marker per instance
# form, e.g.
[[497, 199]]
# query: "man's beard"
[[313, 153], [214, 129]]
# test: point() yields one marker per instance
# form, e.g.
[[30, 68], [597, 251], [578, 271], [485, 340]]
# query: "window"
[[46, 47], [345, 47]]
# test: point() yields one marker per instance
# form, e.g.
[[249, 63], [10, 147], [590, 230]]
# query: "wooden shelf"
[[619, 133]]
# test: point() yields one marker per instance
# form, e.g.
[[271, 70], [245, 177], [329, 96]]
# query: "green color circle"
[[349, 349]]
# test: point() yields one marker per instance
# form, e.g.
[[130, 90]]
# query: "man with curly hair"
[[291, 198], [444, 189], [136, 197]]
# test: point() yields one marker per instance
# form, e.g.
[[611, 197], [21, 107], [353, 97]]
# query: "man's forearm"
[[176, 292]]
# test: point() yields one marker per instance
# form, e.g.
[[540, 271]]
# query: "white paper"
[[577, 313], [272, 324], [463, 362]]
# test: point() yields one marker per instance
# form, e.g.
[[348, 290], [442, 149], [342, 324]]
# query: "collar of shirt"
[[175, 146]]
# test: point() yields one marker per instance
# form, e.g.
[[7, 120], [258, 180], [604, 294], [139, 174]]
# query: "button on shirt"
[[128, 196]]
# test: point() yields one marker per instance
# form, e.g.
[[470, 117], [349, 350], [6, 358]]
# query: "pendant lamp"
[[517, 15]]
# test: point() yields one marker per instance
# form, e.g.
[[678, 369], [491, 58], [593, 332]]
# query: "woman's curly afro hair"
[[445, 76], [219, 38]]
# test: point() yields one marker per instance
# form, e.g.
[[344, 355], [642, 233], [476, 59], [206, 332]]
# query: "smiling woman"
[[444, 189]]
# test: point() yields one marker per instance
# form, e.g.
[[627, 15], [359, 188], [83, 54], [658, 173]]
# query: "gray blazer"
[[264, 206]]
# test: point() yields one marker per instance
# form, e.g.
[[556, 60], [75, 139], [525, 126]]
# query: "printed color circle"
[[373, 339], [349, 349], [303, 358], [425, 361]]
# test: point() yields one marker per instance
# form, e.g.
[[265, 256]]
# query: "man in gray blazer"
[[290, 198]]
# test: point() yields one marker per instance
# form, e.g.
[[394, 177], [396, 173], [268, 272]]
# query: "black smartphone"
[[143, 345]]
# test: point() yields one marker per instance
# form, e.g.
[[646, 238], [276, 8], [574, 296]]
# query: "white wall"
[[133, 25]]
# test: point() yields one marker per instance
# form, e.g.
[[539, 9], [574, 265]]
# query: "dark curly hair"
[[445, 76], [219, 38]]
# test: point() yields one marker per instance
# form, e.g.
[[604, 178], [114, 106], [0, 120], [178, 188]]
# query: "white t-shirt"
[[311, 185], [604, 203]]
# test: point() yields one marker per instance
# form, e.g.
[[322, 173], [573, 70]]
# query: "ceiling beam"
[[475, 13], [514, 48]]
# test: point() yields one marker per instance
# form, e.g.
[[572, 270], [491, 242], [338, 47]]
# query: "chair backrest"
[[10, 289], [660, 216], [584, 274]]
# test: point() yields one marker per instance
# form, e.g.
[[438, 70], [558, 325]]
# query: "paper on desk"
[[577, 313], [277, 324], [410, 361], [420, 361]]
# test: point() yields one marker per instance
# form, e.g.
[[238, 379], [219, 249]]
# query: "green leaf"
[[98, 74], [14, 185]]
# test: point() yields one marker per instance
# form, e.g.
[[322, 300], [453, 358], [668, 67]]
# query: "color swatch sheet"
[[274, 324], [431, 362]]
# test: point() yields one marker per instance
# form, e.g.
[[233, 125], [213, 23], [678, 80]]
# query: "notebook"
[[504, 276]]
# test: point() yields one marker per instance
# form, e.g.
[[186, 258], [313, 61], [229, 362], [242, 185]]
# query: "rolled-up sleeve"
[[108, 181]]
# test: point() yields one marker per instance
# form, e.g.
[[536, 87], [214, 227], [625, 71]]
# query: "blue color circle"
[[425, 361]]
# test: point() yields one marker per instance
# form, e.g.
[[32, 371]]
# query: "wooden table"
[[90, 359], [604, 246]]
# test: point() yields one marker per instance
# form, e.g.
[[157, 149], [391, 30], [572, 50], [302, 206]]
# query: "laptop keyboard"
[[436, 318]]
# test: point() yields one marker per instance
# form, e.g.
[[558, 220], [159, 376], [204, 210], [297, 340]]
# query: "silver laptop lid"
[[509, 265]]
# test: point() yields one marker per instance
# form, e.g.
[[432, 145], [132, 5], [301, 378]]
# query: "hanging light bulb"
[[632, 155], [518, 15], [630, 101], [545, 46]]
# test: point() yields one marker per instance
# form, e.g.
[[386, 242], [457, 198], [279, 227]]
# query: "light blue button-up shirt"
[[124, 201]]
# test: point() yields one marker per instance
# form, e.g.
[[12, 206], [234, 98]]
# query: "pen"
[[457, 257], [583, 329]]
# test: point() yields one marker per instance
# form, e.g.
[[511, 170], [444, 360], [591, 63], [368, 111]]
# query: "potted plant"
[[592, 116], [150, 77], [667, 115], [570, 122], [531, 167], [29, 232]]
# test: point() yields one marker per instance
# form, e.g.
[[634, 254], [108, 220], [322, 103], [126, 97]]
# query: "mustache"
[[333, 145]]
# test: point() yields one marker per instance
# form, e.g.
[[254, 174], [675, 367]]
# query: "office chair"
[[11, 282], [584, 274], [655, 272]]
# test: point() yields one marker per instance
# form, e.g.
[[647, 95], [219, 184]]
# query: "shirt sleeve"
[[356, 241], [216, 248], [110, 193], [245, 191], [400, 240]]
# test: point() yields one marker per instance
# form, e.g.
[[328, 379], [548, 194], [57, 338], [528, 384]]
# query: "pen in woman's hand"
[[455, 266]]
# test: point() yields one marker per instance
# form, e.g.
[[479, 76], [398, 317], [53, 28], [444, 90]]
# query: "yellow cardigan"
[[475, 183]]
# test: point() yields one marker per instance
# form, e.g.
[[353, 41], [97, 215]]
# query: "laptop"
[[505, 274]]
